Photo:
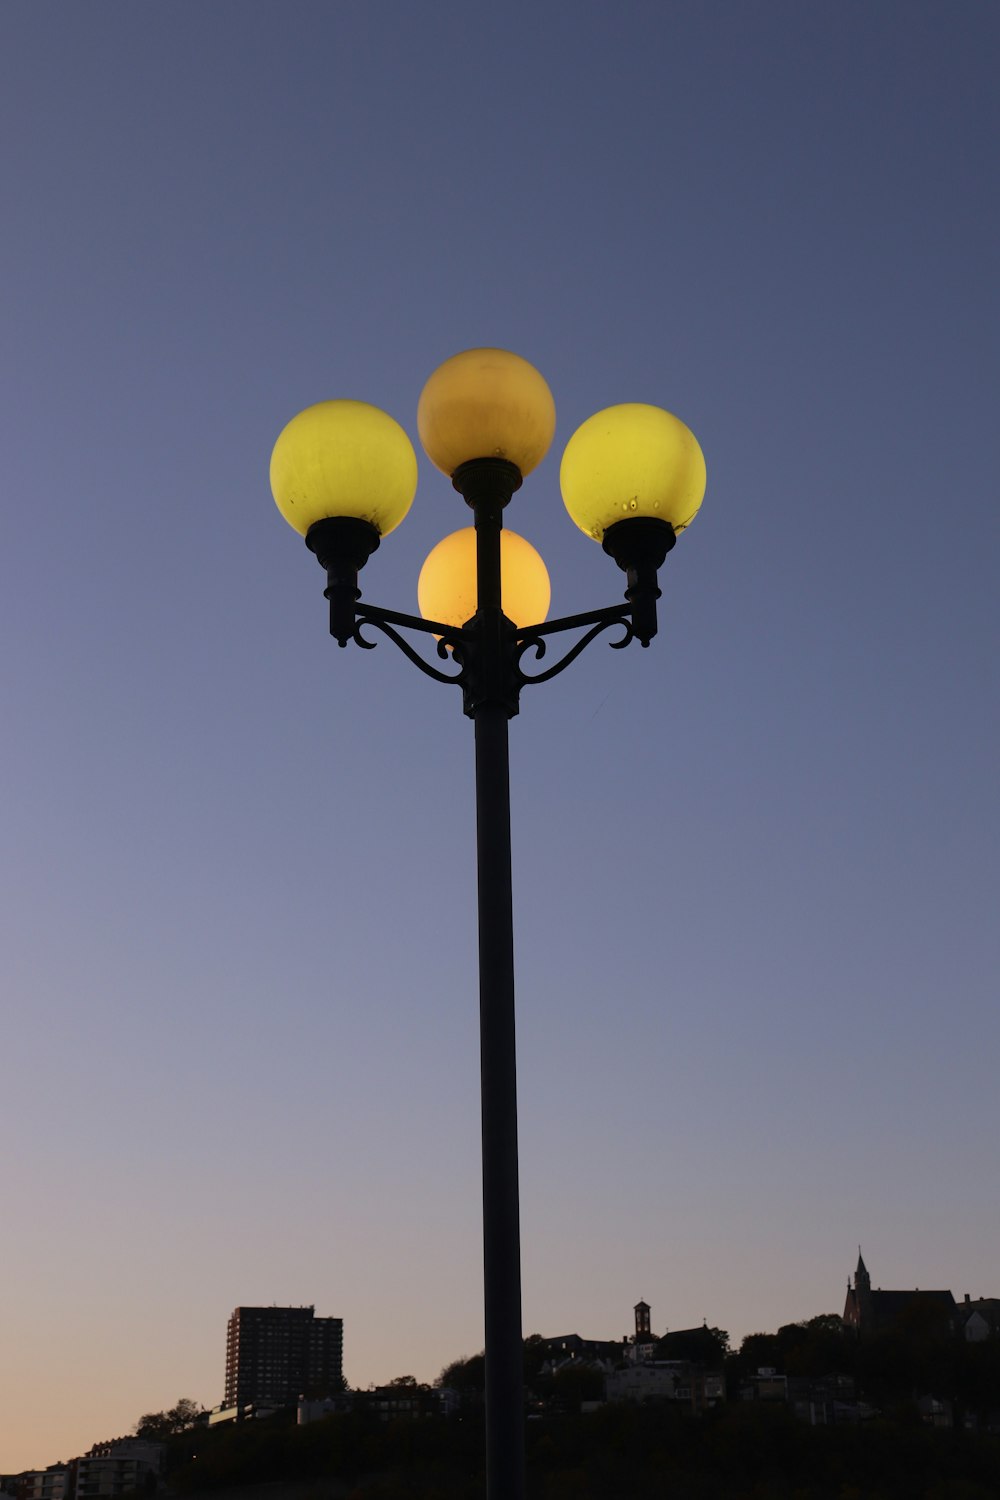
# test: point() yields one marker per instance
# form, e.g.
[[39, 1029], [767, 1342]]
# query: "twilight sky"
[[755, 865]]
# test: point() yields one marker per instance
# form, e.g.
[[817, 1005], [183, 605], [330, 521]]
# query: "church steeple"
[[862, 1296], [641, 1320]]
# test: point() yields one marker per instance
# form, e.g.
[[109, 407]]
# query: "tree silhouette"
[[157, 1425]]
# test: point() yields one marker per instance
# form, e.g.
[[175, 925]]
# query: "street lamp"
[[344, 475]]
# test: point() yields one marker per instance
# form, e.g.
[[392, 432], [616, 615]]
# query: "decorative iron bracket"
[[463, 647], [488, 651], [449, 644], [598, 620]]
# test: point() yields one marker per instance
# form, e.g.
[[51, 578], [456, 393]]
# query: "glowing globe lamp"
[[343, 458], [446, 588], [486, 403], [630, 461]]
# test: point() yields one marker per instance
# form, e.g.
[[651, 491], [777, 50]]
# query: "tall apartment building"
[[276, 1354]]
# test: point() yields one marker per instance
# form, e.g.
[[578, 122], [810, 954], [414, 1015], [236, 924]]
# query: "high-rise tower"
[[276, 1354]]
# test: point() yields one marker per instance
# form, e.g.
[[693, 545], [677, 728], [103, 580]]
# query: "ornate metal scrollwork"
[[598, 620], [460, 647], [386, 620]]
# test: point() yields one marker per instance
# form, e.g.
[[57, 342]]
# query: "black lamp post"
[[344, 474]]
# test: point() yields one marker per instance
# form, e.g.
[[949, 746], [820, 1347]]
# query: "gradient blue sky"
[[756, 865]]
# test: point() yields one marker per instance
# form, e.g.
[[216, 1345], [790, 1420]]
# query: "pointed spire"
[[862, 1269]]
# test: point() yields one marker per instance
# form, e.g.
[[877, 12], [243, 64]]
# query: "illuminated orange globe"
[[446, 588], [486, 403]]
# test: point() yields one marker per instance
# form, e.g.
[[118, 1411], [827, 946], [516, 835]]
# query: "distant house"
[[934, 1412], [868, 1311], [566, 1346], [822, 1401], [667, 1380], [315, 1408], [120, 1467], [765, 1385], [53, 1483], [701, 1345], [979, 1320], [826, 1400], [645, 1382]]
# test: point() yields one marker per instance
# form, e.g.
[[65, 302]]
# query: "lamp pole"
[[344, 474], [487, 487]]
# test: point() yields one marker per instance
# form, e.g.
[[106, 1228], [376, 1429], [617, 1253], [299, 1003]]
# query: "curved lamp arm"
[[450, 641], [459, 645], [598, 620]]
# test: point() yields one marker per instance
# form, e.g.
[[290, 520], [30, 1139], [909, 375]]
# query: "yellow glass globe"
[[447, 591], [486, 403], [343, 458], [632, 460]]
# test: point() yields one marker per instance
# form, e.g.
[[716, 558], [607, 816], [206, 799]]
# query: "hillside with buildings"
[[911, 1371]]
